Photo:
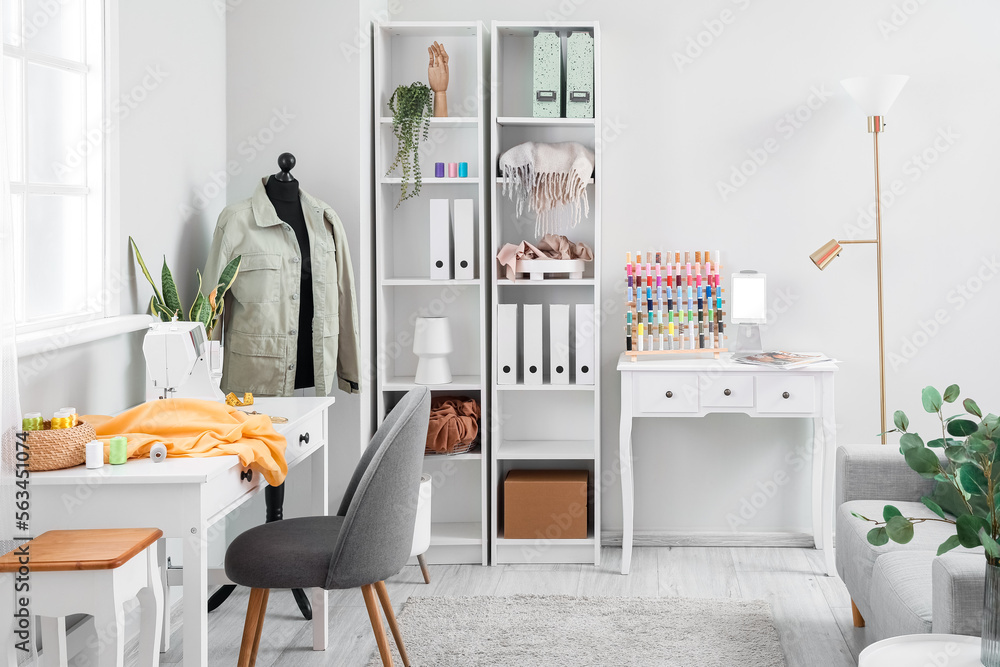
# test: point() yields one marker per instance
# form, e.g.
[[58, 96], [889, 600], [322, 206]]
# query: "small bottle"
[[32, 421]]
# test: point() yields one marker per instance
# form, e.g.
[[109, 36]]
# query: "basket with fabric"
[[453, 426]]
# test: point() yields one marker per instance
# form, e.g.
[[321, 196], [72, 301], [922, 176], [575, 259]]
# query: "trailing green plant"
[[969, 480], [166, 302], [412, 109]]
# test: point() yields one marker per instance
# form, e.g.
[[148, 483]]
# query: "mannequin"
[[283, 191]]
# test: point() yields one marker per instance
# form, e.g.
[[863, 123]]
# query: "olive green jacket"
[[262, 308]]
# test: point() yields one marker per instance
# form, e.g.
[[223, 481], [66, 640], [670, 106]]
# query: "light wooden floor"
[[811, 611]]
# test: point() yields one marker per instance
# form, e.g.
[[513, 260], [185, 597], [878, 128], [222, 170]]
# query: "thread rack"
[[674, 308]]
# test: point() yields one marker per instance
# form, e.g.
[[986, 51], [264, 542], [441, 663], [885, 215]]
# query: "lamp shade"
[[432, 345], [875, 94], [822, 257]]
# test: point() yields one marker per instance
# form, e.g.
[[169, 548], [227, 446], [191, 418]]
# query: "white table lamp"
[[432, 345]]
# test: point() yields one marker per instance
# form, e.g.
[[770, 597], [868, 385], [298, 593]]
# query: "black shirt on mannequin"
[[284, 195]]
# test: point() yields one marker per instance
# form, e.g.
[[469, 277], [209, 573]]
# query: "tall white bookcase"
[[542, 426], [404, 289]]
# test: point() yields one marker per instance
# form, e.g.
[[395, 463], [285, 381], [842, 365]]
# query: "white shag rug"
[[554, 631]]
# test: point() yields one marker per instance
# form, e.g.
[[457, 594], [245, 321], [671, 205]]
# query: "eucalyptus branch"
[[914, 520]]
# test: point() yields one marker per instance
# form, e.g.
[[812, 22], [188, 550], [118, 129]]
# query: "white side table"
[[919, 650]]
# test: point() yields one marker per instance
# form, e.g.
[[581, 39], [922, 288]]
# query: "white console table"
[[695, 387], [187, 498]]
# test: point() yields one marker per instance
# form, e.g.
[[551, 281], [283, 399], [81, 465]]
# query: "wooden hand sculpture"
[[437, 76]]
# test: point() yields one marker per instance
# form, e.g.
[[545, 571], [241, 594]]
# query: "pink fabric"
[[552, 246]]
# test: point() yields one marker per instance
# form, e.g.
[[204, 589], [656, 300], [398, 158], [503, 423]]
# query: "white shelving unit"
[[403, 287], [542, 426]]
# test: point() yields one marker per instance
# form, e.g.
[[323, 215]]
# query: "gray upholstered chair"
[[368, 542]]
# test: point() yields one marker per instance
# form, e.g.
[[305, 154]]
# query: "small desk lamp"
[[749, 310], [874, 94]]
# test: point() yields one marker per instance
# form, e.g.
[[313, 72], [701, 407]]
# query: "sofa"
[[899, 589]]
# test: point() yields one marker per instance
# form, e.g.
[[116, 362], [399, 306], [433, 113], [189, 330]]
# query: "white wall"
[[675, 131], [172, 136]]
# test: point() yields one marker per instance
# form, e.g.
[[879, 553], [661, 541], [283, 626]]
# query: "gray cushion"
[[959, 581], [856, 557], [294, 553], [900, 595]]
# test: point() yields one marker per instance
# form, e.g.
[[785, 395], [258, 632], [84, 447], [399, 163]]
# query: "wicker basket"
[[55, 449]]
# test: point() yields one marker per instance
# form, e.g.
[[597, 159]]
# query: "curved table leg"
[[625, 459]]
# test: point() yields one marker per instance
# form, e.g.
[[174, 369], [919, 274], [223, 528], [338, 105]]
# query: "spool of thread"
[[439, 170], [119, 450], [95, 454], [452, 170], [71, 413], [158, 452], [32, 421], [463, 169], [61, 419]]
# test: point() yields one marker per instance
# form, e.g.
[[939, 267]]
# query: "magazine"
[[781, 359]]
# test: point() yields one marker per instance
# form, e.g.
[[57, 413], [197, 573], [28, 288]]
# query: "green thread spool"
[[32, 421], [119, 450]]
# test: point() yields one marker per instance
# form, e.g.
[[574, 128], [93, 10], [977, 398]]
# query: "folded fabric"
[[547, 177], [454, 424], [194, 428], [551, 246]]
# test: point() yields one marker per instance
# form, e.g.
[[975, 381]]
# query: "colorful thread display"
[[674, 306]]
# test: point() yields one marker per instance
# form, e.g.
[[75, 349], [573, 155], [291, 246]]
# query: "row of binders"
[[561, 356], [452, 239]]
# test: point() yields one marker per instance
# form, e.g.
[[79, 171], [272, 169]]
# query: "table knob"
[[304, 437], [728, 392], [670, 394], [247, 475], [506, 369], [785, 394]]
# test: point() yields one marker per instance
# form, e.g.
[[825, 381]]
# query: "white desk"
[[692, 387], [919, 650], [185, 498]]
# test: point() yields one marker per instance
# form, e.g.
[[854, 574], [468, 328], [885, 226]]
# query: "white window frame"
[[105, 281]]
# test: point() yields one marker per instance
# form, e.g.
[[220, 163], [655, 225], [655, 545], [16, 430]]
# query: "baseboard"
[[613, 538]]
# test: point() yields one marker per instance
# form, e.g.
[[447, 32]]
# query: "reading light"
[[822, 257]]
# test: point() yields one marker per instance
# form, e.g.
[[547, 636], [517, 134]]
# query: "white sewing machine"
[[179, 362]]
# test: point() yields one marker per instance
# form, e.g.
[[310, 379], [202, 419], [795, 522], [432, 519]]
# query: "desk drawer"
[[304, 437], [227, 488], [786, 393], [735, 391], [667, 392]]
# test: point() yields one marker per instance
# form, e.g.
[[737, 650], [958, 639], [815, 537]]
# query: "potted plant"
[[412, 109], [969, 480]]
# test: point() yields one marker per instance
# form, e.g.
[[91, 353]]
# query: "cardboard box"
[[545, 504]]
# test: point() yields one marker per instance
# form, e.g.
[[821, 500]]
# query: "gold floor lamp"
[[874, 94]]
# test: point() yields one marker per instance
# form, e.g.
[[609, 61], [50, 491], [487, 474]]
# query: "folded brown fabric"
[[552, 246], [454, 424]]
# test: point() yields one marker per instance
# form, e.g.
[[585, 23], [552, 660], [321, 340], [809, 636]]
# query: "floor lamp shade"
[[822, 257], [875, 94], [432, 345]]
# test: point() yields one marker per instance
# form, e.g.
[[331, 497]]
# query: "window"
[[54, 103]]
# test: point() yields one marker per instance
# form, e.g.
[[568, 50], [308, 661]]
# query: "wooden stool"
[[85, 572]]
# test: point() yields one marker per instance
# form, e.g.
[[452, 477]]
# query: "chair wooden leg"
[[368, 591], [383, 596], [423, 569], [252, 627], [859, 620]]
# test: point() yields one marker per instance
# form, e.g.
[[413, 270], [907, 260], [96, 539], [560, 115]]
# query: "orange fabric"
[[454, 421], [190, 427]]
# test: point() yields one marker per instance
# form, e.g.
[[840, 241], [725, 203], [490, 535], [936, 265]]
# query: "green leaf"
[[228, 277], [860, 516], [972, 479], [145, 271], [200, 310], [899, 529], [878, 536], [933, 506], [978, 444], [931, 399], [951, 393], [890, 511], [936, 442], [972, 408], [910, 441], [956, 454], [962, 427], [991, 546], [967, 528], [900, 419], [170, 297], [923, 461], [948, 545]]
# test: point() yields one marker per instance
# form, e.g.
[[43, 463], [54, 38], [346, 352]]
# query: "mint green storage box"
[[546, 88], [580, 75]]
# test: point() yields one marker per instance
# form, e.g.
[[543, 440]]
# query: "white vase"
[[432, 345]]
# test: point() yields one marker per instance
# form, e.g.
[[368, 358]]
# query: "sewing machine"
[[179, 362]]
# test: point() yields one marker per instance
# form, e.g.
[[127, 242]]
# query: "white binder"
[[507, 343], [465, 245], [440, 238], [532, 347], [585, 343], [559, 343]]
